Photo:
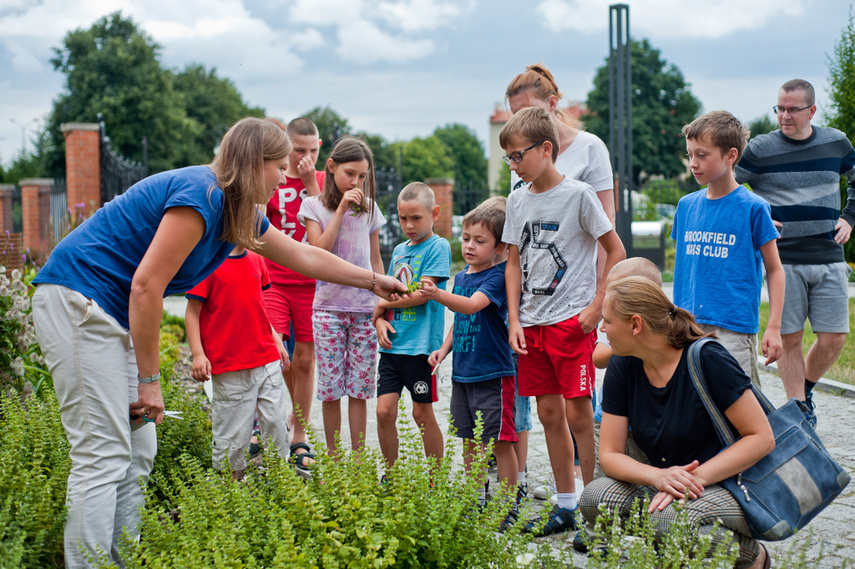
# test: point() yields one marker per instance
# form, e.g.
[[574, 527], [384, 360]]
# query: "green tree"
[[661, 105], [467, 152], [331, 126], [212, 104], [113, 68], [424, 158], [841, 92], [762, 125]]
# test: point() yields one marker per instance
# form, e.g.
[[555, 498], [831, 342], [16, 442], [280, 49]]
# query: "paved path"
[[834, 528]]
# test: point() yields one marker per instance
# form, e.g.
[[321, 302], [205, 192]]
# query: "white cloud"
[[668, 18], [363, 42], [422, 15], [327, 12], [306, 40]]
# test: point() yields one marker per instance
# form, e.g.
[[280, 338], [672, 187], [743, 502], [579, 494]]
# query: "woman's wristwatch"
[[149, 379]]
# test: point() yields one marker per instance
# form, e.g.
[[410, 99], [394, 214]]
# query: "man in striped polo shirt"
[[797, 170]]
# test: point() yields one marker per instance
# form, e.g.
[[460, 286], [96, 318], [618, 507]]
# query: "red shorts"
[[559, 360], [288, 305]]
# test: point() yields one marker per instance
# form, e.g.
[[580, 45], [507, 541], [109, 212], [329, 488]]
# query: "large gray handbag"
[[788, 487]]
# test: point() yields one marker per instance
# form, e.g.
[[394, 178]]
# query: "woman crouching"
[[648, 388]]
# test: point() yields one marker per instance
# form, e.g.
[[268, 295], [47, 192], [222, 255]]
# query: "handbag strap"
[[697, 374]]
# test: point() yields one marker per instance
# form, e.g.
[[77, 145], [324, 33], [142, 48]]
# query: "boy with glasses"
[[552, 227], [797, 170]]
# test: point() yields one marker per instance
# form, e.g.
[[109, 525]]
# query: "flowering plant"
[[20, 358]]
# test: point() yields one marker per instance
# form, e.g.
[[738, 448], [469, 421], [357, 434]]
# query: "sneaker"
[[580, 541], [510, 519], [542, 492], [522, 492], [559, 521], [809, 409], [491, 462]]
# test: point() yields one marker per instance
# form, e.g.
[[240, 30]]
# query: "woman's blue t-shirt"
[[100, 257]]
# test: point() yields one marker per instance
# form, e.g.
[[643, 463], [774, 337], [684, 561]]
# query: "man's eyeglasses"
[[779, 110], [517, 157]]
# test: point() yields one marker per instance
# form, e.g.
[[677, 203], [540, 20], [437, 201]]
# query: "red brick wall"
[[6, 207], [443, 189], [83, 166], [35, 238]]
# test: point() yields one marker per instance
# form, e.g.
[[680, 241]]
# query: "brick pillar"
[[443, 189], [82, 166], [6, 207], [35, 236]]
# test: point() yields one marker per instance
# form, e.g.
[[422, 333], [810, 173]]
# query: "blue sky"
[[401, 68]]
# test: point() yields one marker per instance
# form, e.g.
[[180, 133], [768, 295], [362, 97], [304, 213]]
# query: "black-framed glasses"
[[517, 157], [779, 110]]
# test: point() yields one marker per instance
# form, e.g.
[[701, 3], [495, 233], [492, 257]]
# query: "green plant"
[[632, 542], [424, 516], [34, 455]]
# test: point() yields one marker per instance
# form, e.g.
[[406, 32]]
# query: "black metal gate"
[[118, 173], [389, 185]]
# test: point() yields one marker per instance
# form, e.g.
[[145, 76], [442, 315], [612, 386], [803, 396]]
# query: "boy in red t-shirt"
[[233, 343], [289, 300]]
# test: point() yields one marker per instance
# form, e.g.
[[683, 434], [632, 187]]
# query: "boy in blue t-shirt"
[[722, 232], [409, 329], [483, 377]]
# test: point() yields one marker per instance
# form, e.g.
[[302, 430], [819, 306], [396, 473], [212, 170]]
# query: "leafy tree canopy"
[[424, 158], [113, 68], [762, 125], [464, 148], [661, 105], [331, 127]]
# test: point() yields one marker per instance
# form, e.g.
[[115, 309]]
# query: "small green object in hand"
[[413, 287]]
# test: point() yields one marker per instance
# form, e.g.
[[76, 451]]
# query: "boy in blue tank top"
[[723, 232]]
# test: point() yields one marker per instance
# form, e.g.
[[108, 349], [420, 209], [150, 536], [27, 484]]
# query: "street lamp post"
[[23, 128]]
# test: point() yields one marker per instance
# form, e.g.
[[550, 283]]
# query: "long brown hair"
[[350, 149], [538, 79], [637, 295], [239, 167]]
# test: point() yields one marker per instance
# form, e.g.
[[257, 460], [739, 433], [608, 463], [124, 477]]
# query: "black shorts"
[[494, 399], [397, 371]]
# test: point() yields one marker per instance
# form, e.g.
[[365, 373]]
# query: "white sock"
[[521, 477], [567, 500]]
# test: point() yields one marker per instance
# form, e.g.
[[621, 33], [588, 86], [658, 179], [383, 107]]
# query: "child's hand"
[[284, 360], [383, 331], [589, 318], [201, 368], [773, 347], [351, 198], [428, 290], [306, 169], [516, 337], [435, 358]]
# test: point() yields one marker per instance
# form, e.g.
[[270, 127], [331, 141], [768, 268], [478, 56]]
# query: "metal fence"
[[468, 194], [59, 211], [118, 173], [389, 185]]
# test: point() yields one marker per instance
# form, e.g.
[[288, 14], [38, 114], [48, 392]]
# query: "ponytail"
[[538, 79], [637, 295]]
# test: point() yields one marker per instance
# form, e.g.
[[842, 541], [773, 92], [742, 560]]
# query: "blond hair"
[[532, 124], [538, 79], [420, 192], [632, 296], [636, 267], [239, 168]]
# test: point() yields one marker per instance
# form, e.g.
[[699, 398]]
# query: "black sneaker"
[[809, 410], [580, 541], [491, 462], [559, 521], [510, 519], [522, 492]]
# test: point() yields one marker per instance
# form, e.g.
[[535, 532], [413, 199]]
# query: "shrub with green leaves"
[[35, 465], [20, 357]]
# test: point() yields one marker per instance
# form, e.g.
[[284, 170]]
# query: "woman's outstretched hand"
[[673, 484], [390, 288]]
